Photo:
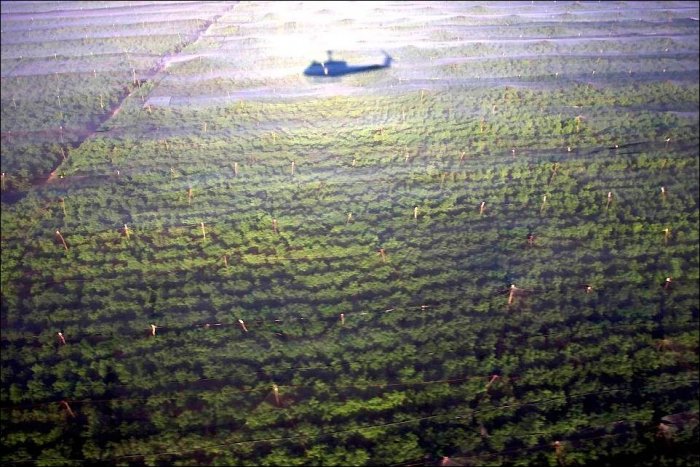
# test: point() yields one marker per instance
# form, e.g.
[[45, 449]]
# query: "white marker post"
[[276, 392], [63, 240], [511, 296]]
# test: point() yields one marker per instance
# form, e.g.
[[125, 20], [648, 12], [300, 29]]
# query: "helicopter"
[[339, 67]]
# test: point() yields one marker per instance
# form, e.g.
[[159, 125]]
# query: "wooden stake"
[[68, 409], [225, 261], [189, 195], [354, 162], [511, 296], [663, 192], [530, 239], [63, 240], [235, 169], [667, 283], [204, 232], [63, 207], [276, 392], [667, 234], [153, 329], [609, 200], [544, 203], [293, 165], [493, 378], [349, 218], [558, 450], [461, 157], [415, 212], [3, 181], [481, 208], [126, 231], [382, 253], [240, 321], [61, 338], [274, 226], [342, 319]]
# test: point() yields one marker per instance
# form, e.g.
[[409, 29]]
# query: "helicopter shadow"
[[331, 70]]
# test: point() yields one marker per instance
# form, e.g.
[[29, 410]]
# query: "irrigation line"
[[278, 321], [210, 213], [331, 219], [572, 438], [382, 425], [471, 164], [223, 225], [267, 387], [416, 463], [282, 368], [532, 153]]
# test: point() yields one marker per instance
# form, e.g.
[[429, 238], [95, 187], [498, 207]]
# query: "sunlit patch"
[[307, 30]]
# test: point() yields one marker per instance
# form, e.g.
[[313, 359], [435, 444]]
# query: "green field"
[[486, 249]]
